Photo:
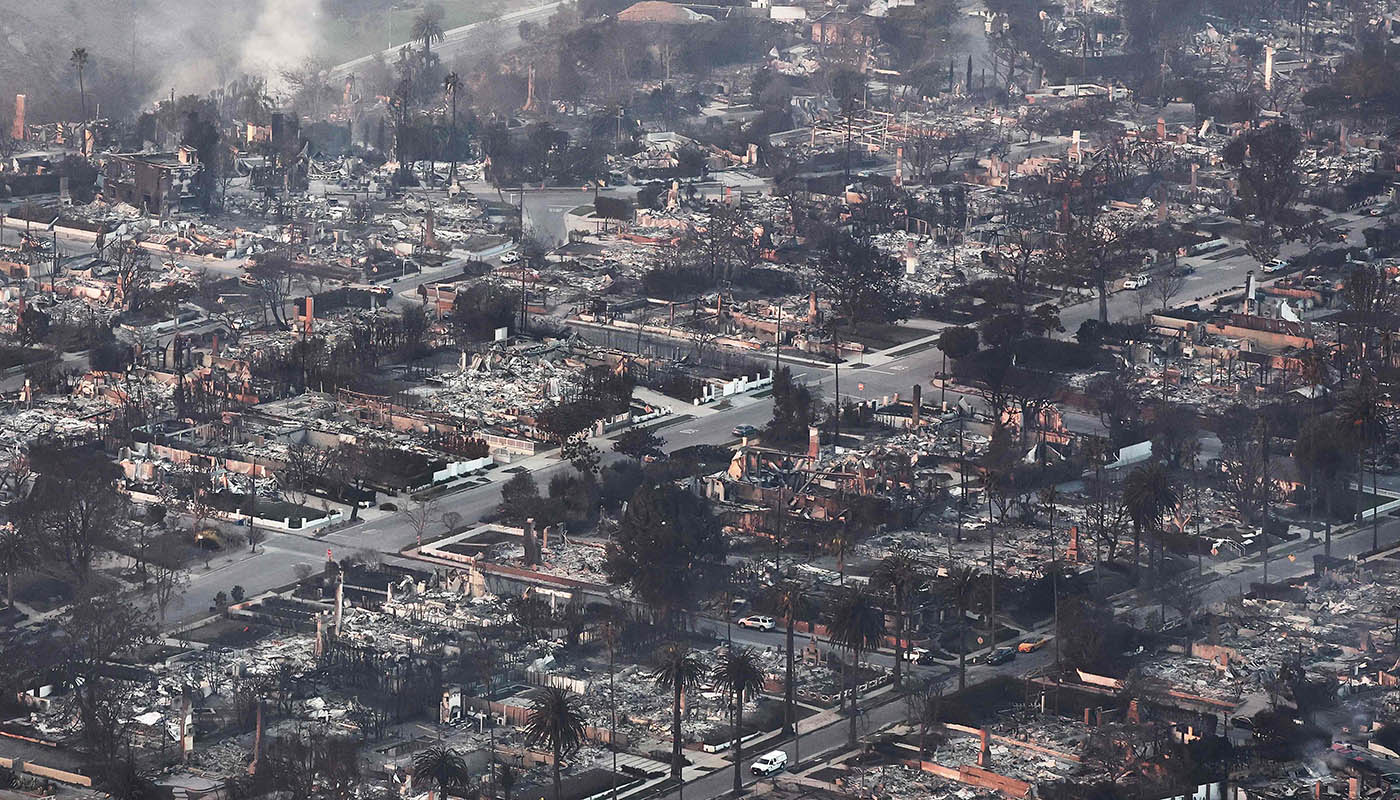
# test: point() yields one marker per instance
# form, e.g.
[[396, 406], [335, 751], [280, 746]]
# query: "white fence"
[[740, 385]]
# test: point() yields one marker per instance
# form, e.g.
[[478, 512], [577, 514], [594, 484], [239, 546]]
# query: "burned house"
[[157, 183]]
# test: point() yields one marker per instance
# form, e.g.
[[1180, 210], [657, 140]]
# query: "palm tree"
[[960, 588], [676, 670], [452, 84], [442, 765], [427, 28], [738, 671], [555, 719], [856, 626], [899, 575], [790, 601], [1148, 494], [1361, 416], [79, 60]]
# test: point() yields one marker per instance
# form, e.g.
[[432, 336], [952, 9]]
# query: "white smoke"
[[205, 44], [286, 35]]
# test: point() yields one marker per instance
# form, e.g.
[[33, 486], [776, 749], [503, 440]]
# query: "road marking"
[[688, 431], [898, 368]]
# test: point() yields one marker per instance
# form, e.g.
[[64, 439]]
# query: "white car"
[[758, 623], [772, 762], [1137, 282], [510, 257], [1275, 265]]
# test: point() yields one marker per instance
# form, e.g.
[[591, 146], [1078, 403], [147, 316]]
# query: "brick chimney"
[[814, 443], [257, 741], [1353, 788], [918, 404], [984, 753], [429, 240], [18, 130], [310, 314], [532, 546]]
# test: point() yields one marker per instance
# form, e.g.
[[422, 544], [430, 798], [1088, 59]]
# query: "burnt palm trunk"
[[675, 733], [898, 639], [789, 690], [557, 793], [738, 741], [962, 648], [855, 694]]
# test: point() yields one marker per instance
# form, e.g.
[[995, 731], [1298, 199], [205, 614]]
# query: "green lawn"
[[348, 39], [878, 337]]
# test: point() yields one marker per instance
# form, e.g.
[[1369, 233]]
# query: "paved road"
[[1213, 276], [834, 735], [275, 564], [391, 534], [498, 34]]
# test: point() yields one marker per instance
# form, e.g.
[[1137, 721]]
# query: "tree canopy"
[[668, 548]]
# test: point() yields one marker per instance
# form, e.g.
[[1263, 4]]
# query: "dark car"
[[1001, 655], [926, 658], [744, 430]]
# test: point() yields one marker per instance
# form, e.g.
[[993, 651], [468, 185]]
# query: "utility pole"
[[836, 346], [1268, 487], [992, 572], [1055, 584], [612, 691], [522, 263], [962, 478], [253, 506]]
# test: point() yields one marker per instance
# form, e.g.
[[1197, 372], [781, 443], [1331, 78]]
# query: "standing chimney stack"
[[18, 130]]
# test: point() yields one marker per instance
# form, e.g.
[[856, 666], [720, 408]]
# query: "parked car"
[[770, 763], [1207, 246], [1001, 655], [1378, 211], [510, 257], [744, 431], [758, 623], [915, 653], [1276, 265], [1138, 281], [926, 658], [1032, 646]]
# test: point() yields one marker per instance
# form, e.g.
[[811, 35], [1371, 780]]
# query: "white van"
[[772, 762], [1138, 281], [1207, 246]]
